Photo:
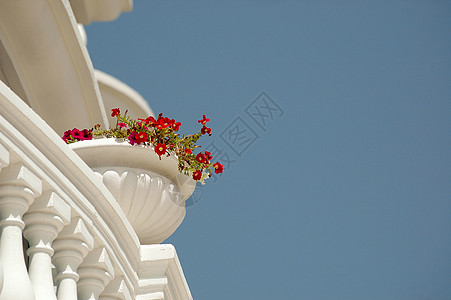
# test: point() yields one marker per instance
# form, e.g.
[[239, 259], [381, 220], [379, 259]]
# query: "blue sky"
[[344, 192]]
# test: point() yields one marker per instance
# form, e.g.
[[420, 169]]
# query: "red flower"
[[201, 158], [188, 151], [218, 167], [148, 120], [115, 112], [204, 120], [141, 137], [151, 120], [205, 130], [67, 135], [122, 125], [197, 175], [208, 155], [176, 126], [164, 123], [160, 149]]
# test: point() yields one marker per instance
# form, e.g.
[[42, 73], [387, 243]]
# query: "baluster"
[[44, 220], [116, 290], [95, 273], [4, 162], [18, 189], [71, 247]]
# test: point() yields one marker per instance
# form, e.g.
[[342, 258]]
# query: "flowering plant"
[[160, 134]]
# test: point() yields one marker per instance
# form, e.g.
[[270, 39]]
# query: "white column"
[[116, 290], [71, 247], [44, 220], [4, 162], [95, 272], [18, 189]]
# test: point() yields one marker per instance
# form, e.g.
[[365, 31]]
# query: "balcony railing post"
[[71, 247], [44, 220], [95, 272], [19, 187]]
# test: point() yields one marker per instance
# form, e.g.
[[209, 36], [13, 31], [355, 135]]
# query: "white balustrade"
[[95, 272], [18, 189], [71, 247], [44, 220]]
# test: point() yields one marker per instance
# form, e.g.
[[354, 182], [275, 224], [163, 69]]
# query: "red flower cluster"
[[204, 129], [205, 158], [138, 137], [75, 135], [162, 122], [161, 134]]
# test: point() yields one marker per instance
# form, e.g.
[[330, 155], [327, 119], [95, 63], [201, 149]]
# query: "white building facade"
[[77, 222]]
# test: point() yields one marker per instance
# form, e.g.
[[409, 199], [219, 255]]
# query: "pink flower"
[[122, 125], [86, 135], [131, 138], [67, 135], [142, 125], [77, 134]]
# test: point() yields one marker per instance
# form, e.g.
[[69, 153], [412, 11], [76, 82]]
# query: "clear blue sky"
[[347, 194]]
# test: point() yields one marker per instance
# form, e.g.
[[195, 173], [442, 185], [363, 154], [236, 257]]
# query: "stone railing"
[[63, 235]]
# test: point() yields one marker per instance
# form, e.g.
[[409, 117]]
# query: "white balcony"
[[68, 216], [63, 232]]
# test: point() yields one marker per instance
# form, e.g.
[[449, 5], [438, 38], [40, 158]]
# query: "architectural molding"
[[51, 62]]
